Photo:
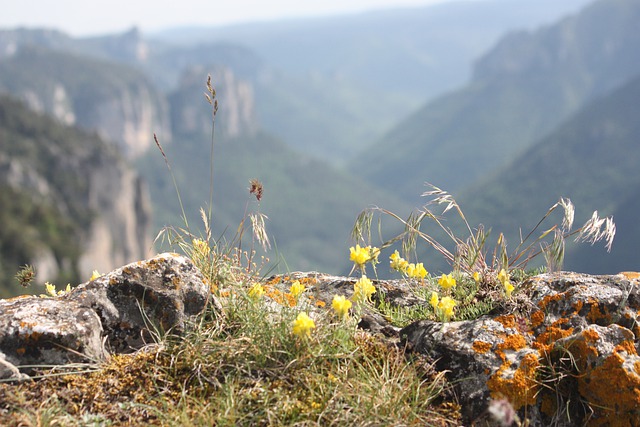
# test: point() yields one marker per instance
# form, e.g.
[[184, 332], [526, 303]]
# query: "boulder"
[[572, 360], [119, 312]]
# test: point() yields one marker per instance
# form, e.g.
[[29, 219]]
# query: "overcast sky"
[[91, 17]]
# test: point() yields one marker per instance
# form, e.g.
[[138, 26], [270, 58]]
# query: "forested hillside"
[[521, 90]]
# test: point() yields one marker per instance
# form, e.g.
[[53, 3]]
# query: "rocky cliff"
[[114, 100], [72, 203], [237, 112]]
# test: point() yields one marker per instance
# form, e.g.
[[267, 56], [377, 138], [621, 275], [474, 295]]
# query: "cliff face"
[[114, 100], [236, 115], [89, 212]]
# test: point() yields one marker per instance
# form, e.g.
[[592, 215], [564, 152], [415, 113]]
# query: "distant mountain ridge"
[[332, 85], [521, 90]]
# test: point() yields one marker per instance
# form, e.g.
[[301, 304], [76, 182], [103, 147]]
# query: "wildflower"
[[447, 281], [341, 305], [302, 325], [360, 256], [256, 291], [363, 289], [398, 263], [201, 247], [446, 307], [50, 289], [416, 270], [508, 288], [95, 275], [503, 276], [297, 289], [434, 300], [476, 276]]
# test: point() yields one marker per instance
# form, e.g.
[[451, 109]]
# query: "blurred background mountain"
[[508, 105]]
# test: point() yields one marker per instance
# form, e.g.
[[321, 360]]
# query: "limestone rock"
[[573, 361], [569, 358], [48, 331], [115, 313]]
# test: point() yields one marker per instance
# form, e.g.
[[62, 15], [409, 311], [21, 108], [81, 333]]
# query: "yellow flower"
[[446, 307], [302, 325], [508, 288], [476, 276], [50, 289], [503, 276], [297, 289], [447, 281], [398, 263], [200, 248], [359, 255], [434, 300], [341, 305], [95, 275], [256, 291], [363, 289], [416, 270]]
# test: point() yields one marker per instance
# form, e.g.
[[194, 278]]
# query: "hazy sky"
[[89, 17]]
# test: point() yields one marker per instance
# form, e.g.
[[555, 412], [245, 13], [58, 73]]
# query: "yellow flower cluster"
[[402, 265], [51, 291], [256, 291], [360, 256], [341, 305], [503, 277], [302, 325], [447, 281], [444, 307], [363, 289], [297, 289]]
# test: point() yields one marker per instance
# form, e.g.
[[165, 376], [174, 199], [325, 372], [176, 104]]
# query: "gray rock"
[[567, 357], [119, 312]]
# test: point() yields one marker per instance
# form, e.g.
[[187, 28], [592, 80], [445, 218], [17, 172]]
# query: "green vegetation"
[[528, 84], [45, 208]]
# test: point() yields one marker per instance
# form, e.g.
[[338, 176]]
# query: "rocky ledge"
[[114, 313], [568, 357]]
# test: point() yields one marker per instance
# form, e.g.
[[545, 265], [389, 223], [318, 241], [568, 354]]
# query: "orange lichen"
[[481, 346], [508, 321], [577, 306], [591, 335], [537, 318], [627, 346], [550, 298], [595, 313], [612, 391], [630, 275], [521, 389], [275, 280], [545, 341]]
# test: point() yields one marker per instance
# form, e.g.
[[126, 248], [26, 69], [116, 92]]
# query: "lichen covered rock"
[[118, 312], [572, 361]]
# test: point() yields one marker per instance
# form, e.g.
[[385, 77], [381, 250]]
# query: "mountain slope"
[[520, 91], [592, 158], [115, 100], [69, 203]]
